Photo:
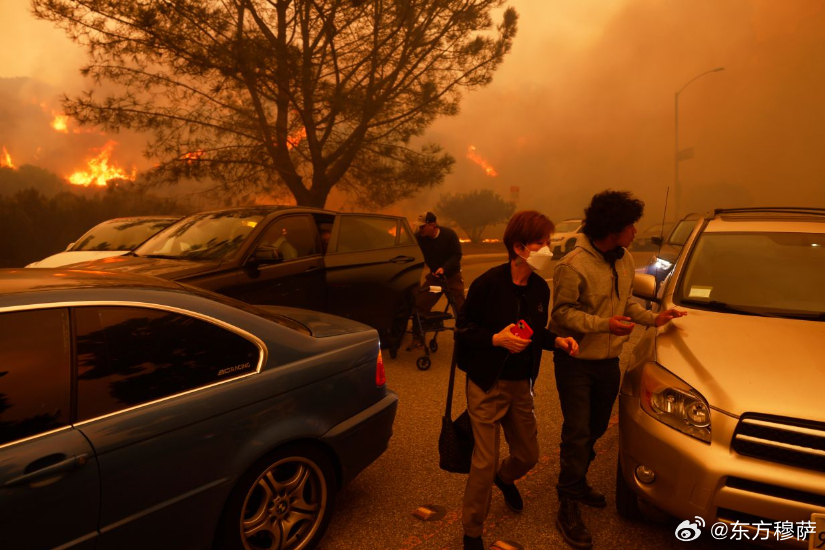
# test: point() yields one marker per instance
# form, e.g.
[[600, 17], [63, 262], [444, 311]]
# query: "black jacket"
[[491, 305], [443, 251]]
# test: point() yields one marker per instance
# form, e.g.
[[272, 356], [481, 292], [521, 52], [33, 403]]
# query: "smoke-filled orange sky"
[[585, 101]]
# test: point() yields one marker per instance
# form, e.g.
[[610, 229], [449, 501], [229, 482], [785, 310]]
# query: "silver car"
[[722, 412]]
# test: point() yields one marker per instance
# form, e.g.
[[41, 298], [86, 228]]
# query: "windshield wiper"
[[714, 305], [162, 256]]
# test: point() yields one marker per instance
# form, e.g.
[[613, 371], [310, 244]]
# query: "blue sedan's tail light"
[[380, 375]]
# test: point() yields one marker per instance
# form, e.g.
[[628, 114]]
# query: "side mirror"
[[267, 255], [70, 246], [657, 240], [644, 286]]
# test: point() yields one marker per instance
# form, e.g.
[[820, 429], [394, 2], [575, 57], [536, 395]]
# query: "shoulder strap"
[[449, 411]]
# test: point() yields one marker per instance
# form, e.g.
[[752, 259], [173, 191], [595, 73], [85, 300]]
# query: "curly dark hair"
[[610, 212]]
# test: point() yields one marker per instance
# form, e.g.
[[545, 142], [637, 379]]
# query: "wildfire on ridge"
[[61, 123], [491, 240], [464, 240], [99, 172], [5, 159], [478, 159]]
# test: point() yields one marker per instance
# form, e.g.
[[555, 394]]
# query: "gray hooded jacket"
[[584, 299]]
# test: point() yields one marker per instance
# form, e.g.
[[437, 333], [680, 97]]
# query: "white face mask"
[[539, 259]]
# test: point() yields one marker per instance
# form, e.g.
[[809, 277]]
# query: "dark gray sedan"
[[141, 413]]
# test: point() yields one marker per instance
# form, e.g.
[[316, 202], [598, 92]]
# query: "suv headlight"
[[662, 265], [673, 402]]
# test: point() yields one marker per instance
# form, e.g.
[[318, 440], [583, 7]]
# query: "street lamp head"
[[717, 69]]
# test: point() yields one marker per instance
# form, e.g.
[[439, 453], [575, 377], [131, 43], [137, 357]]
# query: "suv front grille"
[[789, 441]]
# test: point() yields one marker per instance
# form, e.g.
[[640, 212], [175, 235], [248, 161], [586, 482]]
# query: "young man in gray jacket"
[[591, 290]]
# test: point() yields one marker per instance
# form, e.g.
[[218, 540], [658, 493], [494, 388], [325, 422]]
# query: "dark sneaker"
[[511, 495], [593, 498], [473, 543], [572, 528]]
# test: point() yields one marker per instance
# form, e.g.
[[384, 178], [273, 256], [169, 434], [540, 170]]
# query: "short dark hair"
[[610, 212], [526, 227]]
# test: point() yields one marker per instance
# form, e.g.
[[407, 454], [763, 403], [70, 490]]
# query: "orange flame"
[[475, 157], [5, 159], [294, 139], [61, 123], [99, 171], [190, 158]]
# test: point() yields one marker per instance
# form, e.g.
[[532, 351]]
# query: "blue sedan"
[[142, 413]]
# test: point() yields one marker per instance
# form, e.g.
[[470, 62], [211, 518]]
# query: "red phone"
[[522, 330]]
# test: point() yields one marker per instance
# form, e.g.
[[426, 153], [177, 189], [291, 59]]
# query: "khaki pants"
[[508, 404]]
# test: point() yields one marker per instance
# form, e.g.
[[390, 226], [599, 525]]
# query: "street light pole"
[[677, 186]]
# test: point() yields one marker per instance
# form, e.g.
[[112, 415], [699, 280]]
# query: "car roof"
[[266, 209], [25, 280], [138, 218], [773, 219]]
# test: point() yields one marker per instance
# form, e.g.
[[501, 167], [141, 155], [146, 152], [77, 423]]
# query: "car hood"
[[321, 325], [157, 267], [743, 363], [75, 256]]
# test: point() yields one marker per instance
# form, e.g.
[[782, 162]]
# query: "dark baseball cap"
[[426, 217]]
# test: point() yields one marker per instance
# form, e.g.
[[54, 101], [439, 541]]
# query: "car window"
[[35, 373], [568, 226], [404, 236], [366, 233], [681, 232], [120, 234], [293, 236], [127, 356], [208, 236]]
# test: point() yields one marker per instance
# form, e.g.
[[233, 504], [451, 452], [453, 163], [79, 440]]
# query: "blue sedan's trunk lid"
[[320, 324]]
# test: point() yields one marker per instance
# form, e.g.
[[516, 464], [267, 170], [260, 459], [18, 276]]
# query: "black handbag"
[[455, 443]]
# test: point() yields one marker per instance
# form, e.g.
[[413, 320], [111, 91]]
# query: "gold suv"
[[722, 412]]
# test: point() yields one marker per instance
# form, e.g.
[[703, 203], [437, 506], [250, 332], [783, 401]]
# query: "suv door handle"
[[402, 259], [51, 465]]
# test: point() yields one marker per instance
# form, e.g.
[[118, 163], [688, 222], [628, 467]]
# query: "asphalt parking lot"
[[376, 510]]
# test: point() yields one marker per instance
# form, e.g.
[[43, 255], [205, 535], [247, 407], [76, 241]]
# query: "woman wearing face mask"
[[501, 366]]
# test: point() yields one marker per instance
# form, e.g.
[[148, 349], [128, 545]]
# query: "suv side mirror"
[[644, 286], [266, 255], [657, 240]]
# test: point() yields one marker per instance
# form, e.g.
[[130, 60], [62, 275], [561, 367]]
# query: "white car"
[[565, 237], [110, 238]]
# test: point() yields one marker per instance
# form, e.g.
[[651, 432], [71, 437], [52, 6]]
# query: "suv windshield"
[[567, 226], [120, 234], [773, 274], [208, 236]]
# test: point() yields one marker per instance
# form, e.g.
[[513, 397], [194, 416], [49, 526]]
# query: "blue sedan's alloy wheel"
[[284, 502]]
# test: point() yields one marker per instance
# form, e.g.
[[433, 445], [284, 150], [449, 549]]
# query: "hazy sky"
[[585, 101]]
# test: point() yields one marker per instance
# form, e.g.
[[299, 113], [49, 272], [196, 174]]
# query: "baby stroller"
[[432, 322]]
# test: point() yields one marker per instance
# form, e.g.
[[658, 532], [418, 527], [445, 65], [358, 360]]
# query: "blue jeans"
[[587, 390]]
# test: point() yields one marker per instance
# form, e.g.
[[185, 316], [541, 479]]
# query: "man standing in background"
[[442, 254]]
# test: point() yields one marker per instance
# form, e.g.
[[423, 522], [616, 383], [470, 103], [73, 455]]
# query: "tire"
[[627, 503], [283, 502], [393, 353], [433, 345], [423, 363]]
